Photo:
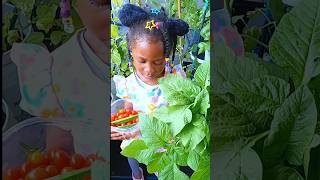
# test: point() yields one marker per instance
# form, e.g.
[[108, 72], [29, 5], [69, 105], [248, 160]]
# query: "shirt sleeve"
[[120, 86], [34, 71]]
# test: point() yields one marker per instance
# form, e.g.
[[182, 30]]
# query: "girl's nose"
[[148, 69]]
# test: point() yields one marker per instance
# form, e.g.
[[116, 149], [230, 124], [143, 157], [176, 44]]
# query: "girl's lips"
[[148, 77]]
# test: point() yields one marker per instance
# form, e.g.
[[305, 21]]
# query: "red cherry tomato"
[[37, 174], [51, 170], [27, 167], [13, 173], [60, 159], [78, 161]]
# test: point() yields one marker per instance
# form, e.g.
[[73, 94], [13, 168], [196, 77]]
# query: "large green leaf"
[[259, 95], [277, 8], [46, 15], [158, 162], [231, 121], [176, 116], [134, 148], [292, 129], [155, 133], [295, 45], [306, 158], [193, 160], [180, 155], [203, 172], [191, 136], [236, 160], [178, 91], [172, 172], [229, 68], [202, 74], [201, 102]]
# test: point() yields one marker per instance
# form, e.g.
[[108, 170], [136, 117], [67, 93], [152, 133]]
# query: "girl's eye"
[[158, 62], [141, 61]]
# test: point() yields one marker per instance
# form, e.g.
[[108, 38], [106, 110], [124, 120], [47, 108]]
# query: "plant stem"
[[259, 42]]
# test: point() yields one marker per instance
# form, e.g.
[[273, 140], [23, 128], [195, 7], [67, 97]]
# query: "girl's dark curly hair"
[[136, 18]]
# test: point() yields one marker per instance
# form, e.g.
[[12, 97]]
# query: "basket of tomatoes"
[[25, 156], [123, 117]]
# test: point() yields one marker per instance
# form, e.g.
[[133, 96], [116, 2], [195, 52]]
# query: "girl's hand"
[[124, 135]]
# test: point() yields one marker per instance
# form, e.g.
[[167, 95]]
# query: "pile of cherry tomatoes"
[[124, 113], [42, 165]]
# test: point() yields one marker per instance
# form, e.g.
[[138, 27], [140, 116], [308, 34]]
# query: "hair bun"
[[178, 27], [130, 14]]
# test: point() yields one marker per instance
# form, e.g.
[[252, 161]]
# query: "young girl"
[[152, 39]]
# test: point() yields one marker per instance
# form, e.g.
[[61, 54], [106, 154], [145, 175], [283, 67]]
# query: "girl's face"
[[148, 60]]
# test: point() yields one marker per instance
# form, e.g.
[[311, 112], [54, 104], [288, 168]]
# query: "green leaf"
[[296, 117], [193, 160], [13, 36], [203, 172], [202, 75], [56, 37], [177, 116], [191, 136], [124, 66], [229, 68], [173, 172], [115, 56], [306, 159], [180, 156], [158, 162], [258, 95], [230, 120], [44, 24], [134, 148], [200, 122], [278, 9], [314, 164], [35, 38], [25, 5], [236, 160], [155, 133], [295, 45], [114, 31], [47, 11], [178, 91]]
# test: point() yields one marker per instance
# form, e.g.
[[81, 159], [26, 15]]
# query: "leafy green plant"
[[178, 134], [34, 21], [264, 125]]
